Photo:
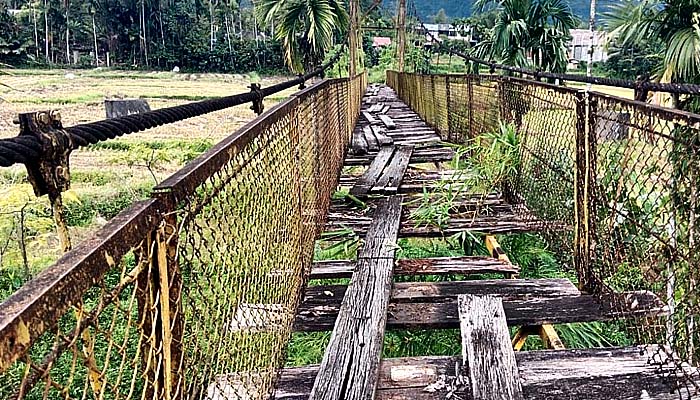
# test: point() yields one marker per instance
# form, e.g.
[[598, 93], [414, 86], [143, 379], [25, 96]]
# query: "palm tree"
[[528, 33], [305, 27], [674, 22]]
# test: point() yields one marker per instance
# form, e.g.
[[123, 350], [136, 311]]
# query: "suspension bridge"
[[196, 292]]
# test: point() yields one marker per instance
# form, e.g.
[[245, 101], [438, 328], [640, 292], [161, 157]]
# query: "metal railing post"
[[160, 313], [584, 192]]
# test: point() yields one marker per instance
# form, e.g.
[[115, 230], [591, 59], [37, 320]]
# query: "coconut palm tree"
[[305, 27], [528, 33], [674, 22]]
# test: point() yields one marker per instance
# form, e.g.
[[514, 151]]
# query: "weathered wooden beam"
[[495, 224], [507, 288], [359, 143], [495, 249], [381, 136], [334, 269], [392, 176], [387, 121], [415, 292], [488, 357], [318, 314], [369, 118], [372, 143], [350, 366], [369, 178], [594, 374], [550, 338]]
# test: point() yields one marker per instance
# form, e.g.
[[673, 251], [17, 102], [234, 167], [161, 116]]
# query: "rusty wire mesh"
[[190, 295], [615, 185]]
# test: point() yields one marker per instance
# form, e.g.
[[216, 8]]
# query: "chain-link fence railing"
[[192, 294], [614, 182]]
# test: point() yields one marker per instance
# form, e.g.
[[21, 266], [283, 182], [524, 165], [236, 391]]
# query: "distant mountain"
[[463, 8]]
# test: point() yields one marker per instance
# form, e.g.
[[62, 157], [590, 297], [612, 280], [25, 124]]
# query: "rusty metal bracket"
[[641, 90], [51, 173], [258, 107]]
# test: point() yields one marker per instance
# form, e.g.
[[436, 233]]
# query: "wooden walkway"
[[402, 157]]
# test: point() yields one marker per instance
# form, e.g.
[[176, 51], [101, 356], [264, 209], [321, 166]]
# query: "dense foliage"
[[528, 33], [212, 35], [305, 27], [673, 24]]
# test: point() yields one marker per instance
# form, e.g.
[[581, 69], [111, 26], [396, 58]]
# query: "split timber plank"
[[359, 143], [507, 288], [370, 118], [319, 314], [372, 143], [593, 374], [335, 269], [375, 108], [414, 292], [385, 109], [350, 366], [387, 121], [369, 178], [382, 138], [488, 356], [420, 155], [497, 224], [392, 176]]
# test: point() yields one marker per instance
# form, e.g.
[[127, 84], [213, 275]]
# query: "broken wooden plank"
[[488, 357], [359, 143], [376, 108], [627, 373], [372, 143], [318, 314], [507, 288], [392, 176], [382, 138], [413, 292], [369, 178], [473, 265], [369, 118], [350, 366], [500, 223], [387, 121]]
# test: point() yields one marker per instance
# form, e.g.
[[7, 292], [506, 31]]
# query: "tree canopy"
[[305, 27], [674, 24], [528, 33]]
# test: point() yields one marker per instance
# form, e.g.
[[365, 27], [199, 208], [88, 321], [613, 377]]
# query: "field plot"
[[108, 176]]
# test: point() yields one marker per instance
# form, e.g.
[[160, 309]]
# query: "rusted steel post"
[[584, 192], [51, 174], [401, 35], [160, 312], [448, 107], [470, 102], [258, 107]]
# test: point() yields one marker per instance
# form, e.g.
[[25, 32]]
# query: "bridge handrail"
[[318, 118]]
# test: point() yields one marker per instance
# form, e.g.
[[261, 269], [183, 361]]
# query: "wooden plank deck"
[[489, 359], [350, 365], [335, 269], [319, 313], [627, 373]]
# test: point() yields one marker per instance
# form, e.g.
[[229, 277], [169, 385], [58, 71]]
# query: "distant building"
[[439, 31], [381, 41], [580, 44]]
